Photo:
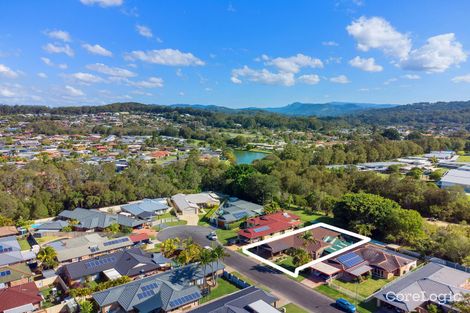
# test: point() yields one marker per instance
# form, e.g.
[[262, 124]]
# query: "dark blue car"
[[345, 305]]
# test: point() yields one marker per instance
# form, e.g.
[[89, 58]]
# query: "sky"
[[236, 54]]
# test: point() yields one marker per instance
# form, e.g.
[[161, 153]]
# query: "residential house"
[[10, 252], [235, 211], [131, 262], [371, 259], [432, 284], [323, 241], [262, 227], [192, 203], [248, 300], [147, 209], [97, 220], [85, 247], [6, 231], [21, 298], [16, 274], [164, 292]]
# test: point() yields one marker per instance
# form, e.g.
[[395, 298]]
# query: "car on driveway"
[[345, 305]]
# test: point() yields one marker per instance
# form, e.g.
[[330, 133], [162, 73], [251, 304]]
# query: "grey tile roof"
[[432, 279], [236, 210], [169, 284], [237, 301], [146, 208], [130, 262], [52, 225], [13, 253], [87, 245], [91, 219]]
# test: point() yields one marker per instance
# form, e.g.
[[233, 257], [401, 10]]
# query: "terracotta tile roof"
[[8, 231], [19, 295], [139, 237], [269, 224]]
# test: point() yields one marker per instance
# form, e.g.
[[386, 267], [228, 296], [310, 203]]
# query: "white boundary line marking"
[[363, 240]]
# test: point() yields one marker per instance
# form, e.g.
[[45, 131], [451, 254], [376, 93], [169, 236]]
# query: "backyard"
[[223, 288], [310, 218], [24, 244]]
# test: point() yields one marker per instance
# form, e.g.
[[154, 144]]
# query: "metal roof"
[[432, 279]]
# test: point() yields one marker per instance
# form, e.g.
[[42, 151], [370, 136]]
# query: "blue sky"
[[233, 53]]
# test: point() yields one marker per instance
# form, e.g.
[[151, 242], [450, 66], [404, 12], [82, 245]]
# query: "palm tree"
[[218, 253], [205, 258], [272, 207], [307, 238], [300, 257], [47, 256], [169, 246]]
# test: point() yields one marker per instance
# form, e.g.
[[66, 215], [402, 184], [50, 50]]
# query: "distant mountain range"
[[300, 109]]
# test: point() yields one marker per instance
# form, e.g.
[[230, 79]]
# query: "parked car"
[[345, 305], [212, 236], [232, 241]]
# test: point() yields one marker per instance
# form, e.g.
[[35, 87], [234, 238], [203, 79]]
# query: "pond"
[[247, 157]]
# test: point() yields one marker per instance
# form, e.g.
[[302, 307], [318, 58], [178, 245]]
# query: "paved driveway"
[[279, 283]]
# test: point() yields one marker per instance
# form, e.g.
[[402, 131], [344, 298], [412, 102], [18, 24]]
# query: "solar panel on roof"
[[239, 215], [185, 299], [350, 259], [5, 273], [260, 229]]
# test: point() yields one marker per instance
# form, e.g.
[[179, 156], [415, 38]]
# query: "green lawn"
[[223, 288], [464, 158], [288, 264], [362, 307], [366, 288], [24, 244], [309, 218], [165, 215], [224, 234], [292, 308]]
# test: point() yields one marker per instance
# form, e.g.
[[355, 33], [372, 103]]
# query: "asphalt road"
[[276, 281]]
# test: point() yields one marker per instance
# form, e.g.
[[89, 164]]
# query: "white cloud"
[[144, 31], [341, 79], [111, 71], [310, 79], [412, 76], [437, 55], [97, 49], [59, 34], [48, 62], [262, 76], [231, 8], [390, 80], [5, 92], [152, 82], [294, 63], [169, 57], [364, 64], [461, 79], [7, 72], [103, 3], [42, 75], [330, 43], [87, 78], [74, 92], [376, 32], [54, 48]]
